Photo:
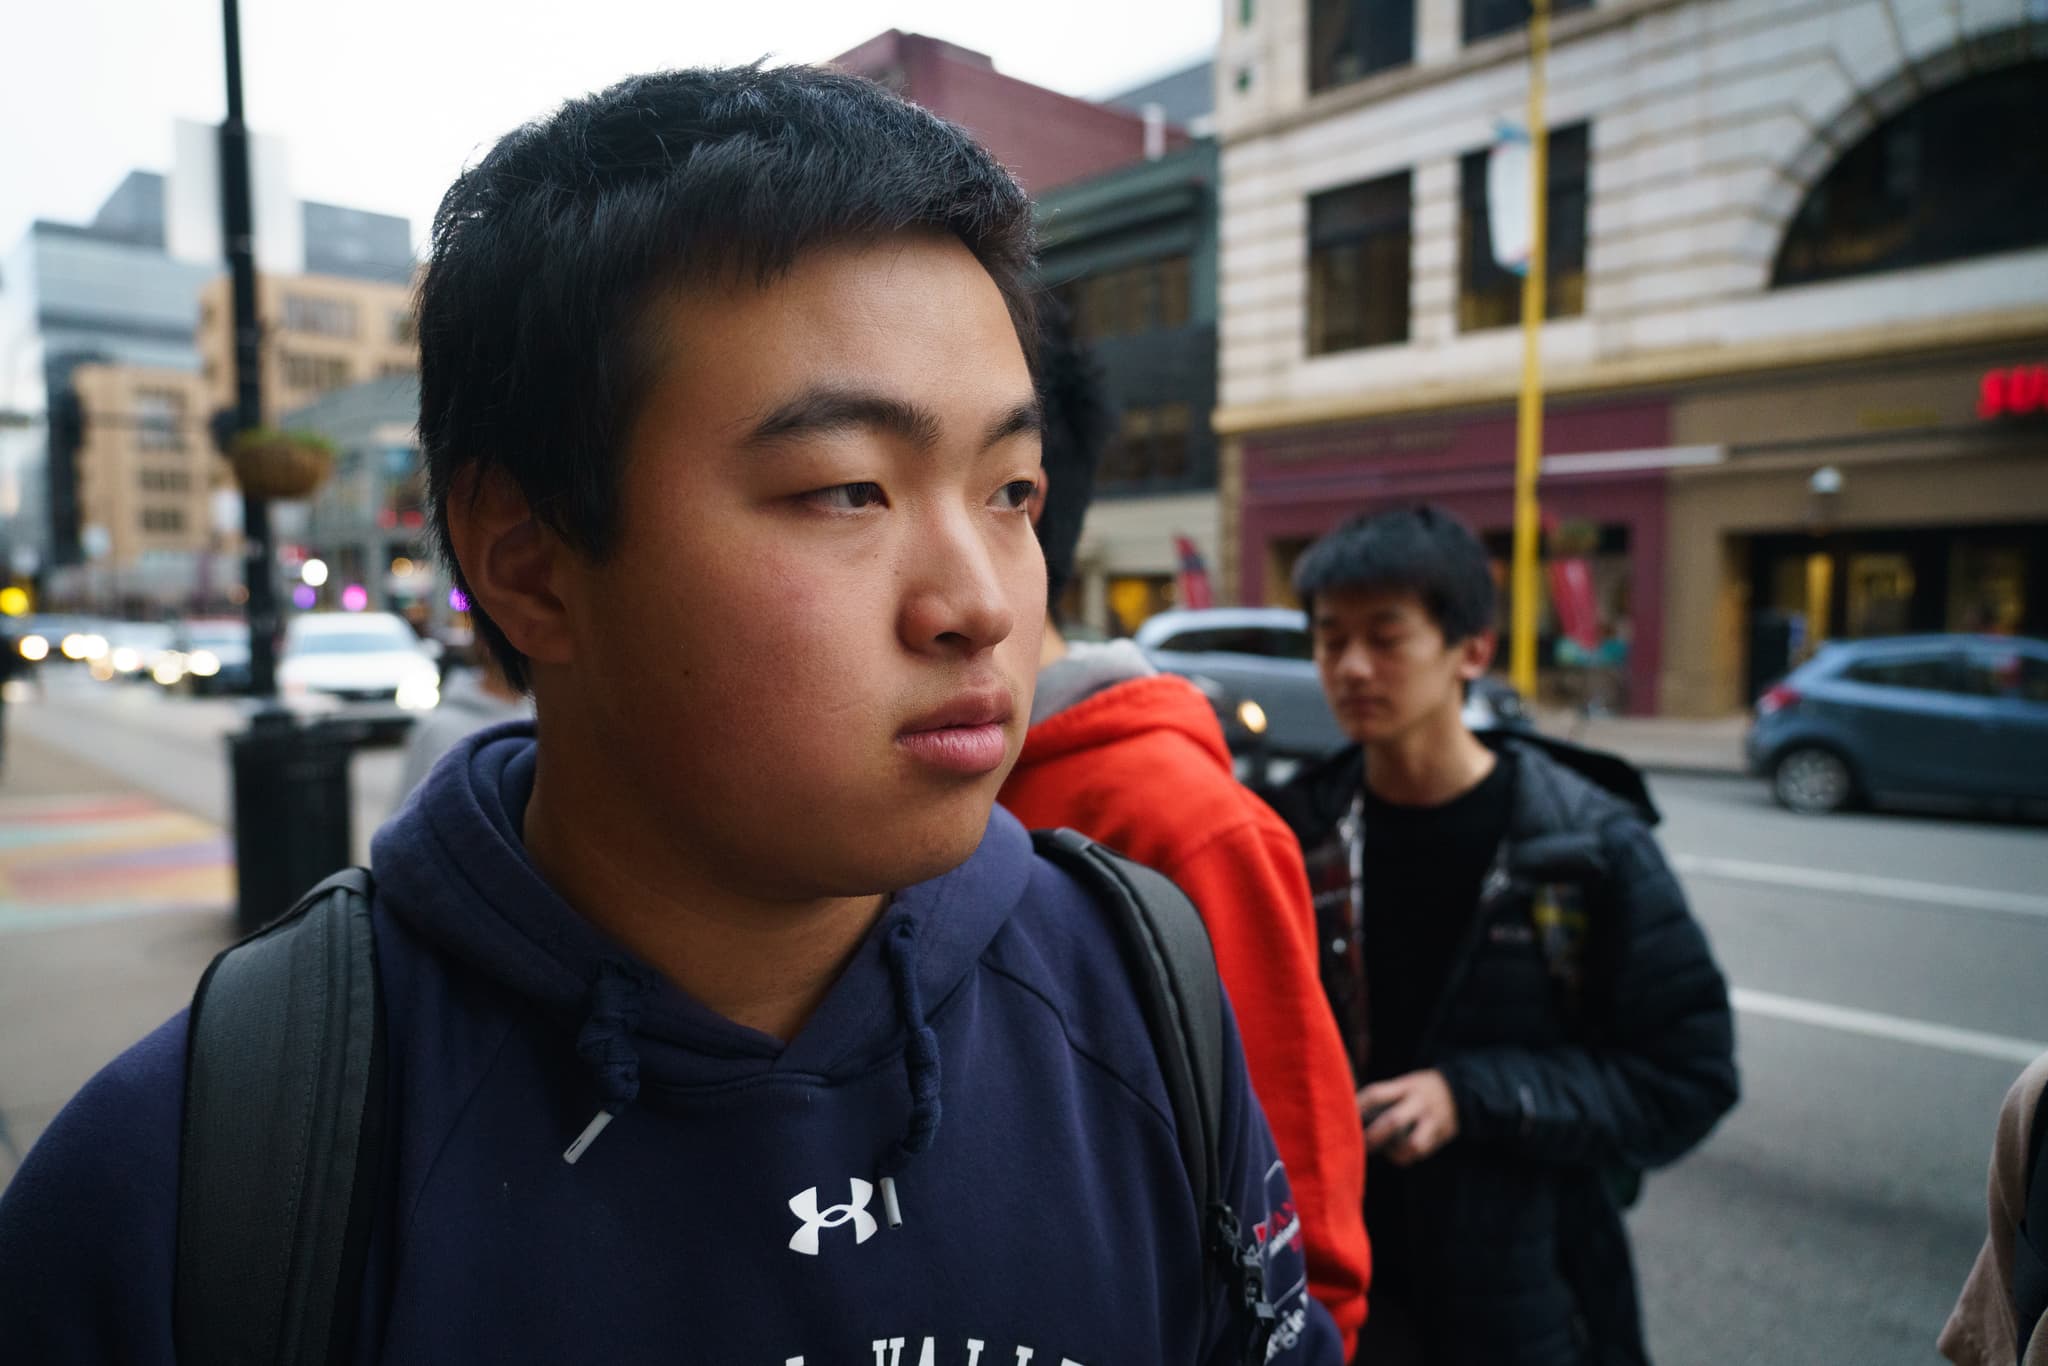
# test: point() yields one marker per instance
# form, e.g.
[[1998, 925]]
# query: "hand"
[[1412, 1116]]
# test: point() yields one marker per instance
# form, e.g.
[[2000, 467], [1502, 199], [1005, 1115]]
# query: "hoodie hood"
[[1084, 670], [457, 875], [1123, 709]]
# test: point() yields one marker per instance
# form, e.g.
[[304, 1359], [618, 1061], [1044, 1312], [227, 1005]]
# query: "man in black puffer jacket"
[[1534, 1017]]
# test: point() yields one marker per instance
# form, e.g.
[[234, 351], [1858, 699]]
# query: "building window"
[[318, 373], [160, 419], [165, 481], [167, 520], [1351, 39], [1947, 178], [1132, 299], [1489, 295], [319, 317], [1151, 447], [1484, 18], [1358, 240]]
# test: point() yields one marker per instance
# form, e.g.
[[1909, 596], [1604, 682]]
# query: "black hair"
[[1421, 549], [535, 345], [1075, 424]]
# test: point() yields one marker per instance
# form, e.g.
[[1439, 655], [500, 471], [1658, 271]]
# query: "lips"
[[964, 735]]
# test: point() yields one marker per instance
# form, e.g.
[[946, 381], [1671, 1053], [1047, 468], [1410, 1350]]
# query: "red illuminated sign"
[[2015, 389]]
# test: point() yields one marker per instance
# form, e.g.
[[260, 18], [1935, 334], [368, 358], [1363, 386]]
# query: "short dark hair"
[[1421, 549], [535, 347], [1075, 422]]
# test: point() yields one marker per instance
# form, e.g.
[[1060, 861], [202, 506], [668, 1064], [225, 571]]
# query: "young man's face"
[[813, 649], [1385, 666]]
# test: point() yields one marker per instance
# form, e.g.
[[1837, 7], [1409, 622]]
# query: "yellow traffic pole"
[[1529, 417]]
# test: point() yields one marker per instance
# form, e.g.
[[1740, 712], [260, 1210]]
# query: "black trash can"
[[292, 816]]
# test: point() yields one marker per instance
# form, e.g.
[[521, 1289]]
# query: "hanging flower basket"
[[274, 464]]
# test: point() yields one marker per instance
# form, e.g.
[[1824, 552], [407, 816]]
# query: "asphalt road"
[[1890, 982], [1889, 977]]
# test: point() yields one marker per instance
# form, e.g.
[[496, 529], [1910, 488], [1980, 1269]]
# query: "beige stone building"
[[146, 469], [320, 333], [1799, 309]]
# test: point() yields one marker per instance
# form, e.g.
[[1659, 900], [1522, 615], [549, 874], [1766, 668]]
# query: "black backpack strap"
[[1171, 960], [2030, 1239], [282, 1138]]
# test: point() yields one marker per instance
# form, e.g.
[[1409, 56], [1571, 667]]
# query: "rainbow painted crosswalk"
[[69, 860]]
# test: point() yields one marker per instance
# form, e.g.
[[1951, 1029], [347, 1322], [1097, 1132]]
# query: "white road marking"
[[1860, 884], [1872, 1025]]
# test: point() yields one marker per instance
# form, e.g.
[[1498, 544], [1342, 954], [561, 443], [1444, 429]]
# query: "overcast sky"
[[383, 101]]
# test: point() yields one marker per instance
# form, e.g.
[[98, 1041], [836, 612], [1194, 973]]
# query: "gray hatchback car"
[[1907, 716]]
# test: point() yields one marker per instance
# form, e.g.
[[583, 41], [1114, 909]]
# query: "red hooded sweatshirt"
[[1142, 767]]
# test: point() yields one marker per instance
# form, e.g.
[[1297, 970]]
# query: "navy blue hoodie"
[[983, 1049]]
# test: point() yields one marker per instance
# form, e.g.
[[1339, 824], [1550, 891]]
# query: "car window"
[[349, 642], [1922, 672], [1241, 640], [2007, 673]]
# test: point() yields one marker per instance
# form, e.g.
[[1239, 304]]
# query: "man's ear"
[[1476, 654], [511, 561]]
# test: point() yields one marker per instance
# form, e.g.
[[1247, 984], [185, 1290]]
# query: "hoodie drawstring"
[[920, 1059], [605, 1043]]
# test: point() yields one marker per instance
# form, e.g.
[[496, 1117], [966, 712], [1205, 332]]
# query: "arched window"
[[1961, 173]]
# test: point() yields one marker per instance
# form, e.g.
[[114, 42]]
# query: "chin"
[[901, 851]]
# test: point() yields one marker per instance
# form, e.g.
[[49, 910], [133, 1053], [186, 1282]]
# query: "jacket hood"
[[1111, 716], [453, 868]]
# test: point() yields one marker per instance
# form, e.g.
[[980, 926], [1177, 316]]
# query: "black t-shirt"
[[1424, 867]]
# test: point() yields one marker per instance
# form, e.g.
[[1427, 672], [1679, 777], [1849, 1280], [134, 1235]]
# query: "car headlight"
[[34, 649], [203, 664], [168, 669], [127, 660], [95, 646], [73, 646], [421, 692], [102, 668], [1253, 716]]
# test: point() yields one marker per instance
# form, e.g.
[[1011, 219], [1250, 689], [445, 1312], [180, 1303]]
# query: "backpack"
[[2030, 1239], [284, 1143]]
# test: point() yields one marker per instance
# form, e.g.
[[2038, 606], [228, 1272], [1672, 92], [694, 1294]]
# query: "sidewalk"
[[1657, 743], [111, 905]]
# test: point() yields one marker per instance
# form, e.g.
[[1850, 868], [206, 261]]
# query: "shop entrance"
[[1808, 589]]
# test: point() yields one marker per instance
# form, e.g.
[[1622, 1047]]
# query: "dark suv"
[[1907, 716]]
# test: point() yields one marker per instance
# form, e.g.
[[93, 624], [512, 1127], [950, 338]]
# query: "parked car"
[[208, 655], [133, 650], [358, 657], [1265, 655], [1907, 716]]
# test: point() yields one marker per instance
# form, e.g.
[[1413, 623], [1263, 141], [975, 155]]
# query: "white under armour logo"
[[805, 1207]]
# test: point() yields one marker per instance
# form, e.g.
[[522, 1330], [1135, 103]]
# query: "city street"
[[1889, 979]]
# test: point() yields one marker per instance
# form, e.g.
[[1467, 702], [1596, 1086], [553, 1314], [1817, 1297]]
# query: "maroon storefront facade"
[[1299, 484]]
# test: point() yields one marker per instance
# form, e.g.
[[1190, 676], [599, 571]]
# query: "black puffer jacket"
[[1585, 1034]]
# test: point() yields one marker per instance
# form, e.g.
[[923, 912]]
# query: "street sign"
[[1509, 205]]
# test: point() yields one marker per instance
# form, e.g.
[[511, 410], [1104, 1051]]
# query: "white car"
[[358, 657]]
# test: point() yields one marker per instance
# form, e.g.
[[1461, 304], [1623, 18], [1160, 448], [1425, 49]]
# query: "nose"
[[955, 601], [1353, 663]]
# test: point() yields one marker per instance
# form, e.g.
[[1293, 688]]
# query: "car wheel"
[[1813, 781]]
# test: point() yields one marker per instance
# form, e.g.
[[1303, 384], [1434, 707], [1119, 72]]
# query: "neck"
[[1052, 646], [1428, 764], [758, 961]]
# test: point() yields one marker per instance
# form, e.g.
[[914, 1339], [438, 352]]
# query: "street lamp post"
[[238, 228], [291, 782], [1529, 414]]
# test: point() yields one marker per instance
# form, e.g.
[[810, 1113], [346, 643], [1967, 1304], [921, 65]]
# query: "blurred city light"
[[354, 598], [13, 601], [313, 573], [402, 567], [458, 600], [203, 664], [34, 649], [303, 597]]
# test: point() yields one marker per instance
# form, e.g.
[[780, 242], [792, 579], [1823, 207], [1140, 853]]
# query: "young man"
[[1533, 1014], [725, 1022], [1135, 758]]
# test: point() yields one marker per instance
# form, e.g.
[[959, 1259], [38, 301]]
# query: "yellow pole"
[[1529, 418]]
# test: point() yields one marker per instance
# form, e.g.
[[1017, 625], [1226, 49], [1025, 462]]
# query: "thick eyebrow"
[[828, 410]]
